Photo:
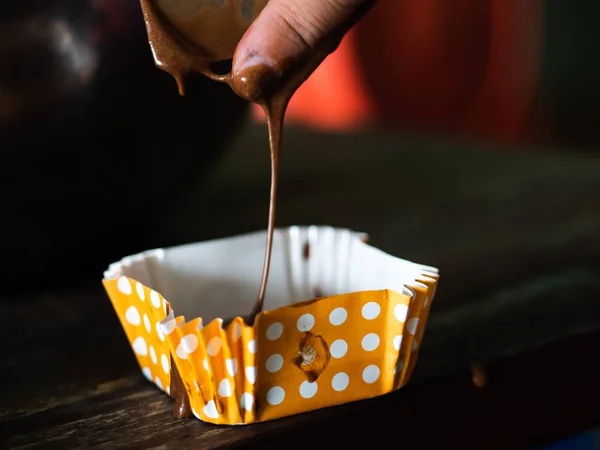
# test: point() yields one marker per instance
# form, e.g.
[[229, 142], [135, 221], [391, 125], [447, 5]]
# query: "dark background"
[[101, 159]]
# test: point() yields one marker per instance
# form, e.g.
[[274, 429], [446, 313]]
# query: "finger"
[[287, 29]]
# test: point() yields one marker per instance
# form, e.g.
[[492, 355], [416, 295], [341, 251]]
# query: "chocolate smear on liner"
[[313, 356], [182, 408]]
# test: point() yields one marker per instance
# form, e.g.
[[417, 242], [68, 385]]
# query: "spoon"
[[212, 27]]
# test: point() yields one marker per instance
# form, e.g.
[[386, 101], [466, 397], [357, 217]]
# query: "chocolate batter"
[[182, 406], [306, 251], [313, 356]]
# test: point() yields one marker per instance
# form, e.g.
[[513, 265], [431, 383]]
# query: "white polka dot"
[[169, 390], [397, 342], [412, 325], [371, 374], [210, 410], [274, 331], [338, 316], [155, 299], [147, 373], [232, 367], [371, 310], [247, 401], [158, 382], [340, 381], [140, 291], [132, 315], [153, 355], [252, 346], [187, 345], [274, 363], [338, 348], [139, 346], [164, 305], [305, 322], [275, 395], [426, 302], [124, 286], [164, 361], [236, 333], [214, 346], [251, 374], [196, 414], [205, 364], [224, 388], [414, 346], [147, 323], [308, 390], [169, 327], [370, 342], [159, 332], [401, 311]]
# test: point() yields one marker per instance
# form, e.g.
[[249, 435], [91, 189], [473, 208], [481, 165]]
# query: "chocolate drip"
[[182, 408], [306, 251], [191, 37]]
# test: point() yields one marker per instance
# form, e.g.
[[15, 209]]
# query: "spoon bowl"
[[215, 27]]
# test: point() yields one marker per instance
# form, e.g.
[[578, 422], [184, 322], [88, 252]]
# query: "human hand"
[[288, 30]]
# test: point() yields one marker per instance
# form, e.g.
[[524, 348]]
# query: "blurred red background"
[[471, 67]]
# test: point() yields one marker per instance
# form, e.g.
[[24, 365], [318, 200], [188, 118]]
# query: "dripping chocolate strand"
[[274, 99], [275, 112]]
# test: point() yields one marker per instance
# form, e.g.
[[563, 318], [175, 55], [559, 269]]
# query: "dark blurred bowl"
[[95, 139]]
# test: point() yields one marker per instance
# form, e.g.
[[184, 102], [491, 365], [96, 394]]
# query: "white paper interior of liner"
[[221, 278]]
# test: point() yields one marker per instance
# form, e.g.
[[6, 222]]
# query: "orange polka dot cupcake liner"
[[343, 321]]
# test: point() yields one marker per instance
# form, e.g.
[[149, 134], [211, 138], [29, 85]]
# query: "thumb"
[[287, 30]]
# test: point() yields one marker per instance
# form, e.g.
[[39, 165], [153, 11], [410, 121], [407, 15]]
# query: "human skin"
[[286, 30]]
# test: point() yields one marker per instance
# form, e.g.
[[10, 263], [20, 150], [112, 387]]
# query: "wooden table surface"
[[515, 233]]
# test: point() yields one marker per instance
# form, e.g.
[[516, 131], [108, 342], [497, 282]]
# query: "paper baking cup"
[[359, 339]]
